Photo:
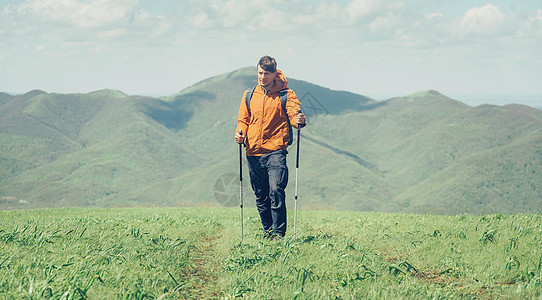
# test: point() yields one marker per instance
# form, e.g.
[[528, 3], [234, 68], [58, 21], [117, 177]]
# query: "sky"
[[467, 50]]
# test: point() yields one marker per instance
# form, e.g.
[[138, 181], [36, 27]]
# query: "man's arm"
[[293, 108], [243, 120]]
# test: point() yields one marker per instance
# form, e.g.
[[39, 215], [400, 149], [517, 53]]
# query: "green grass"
[[196, 253], [75, 253]]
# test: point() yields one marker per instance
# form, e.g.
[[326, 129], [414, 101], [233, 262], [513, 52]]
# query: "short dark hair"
[[267, 63]]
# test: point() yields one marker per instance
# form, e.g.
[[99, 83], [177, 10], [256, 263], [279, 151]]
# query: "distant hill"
[[422, 153]]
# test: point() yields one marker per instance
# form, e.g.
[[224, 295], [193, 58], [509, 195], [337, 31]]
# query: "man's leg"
[[259, 182], [278, 179]]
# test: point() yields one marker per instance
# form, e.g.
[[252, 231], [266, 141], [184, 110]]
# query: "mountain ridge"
[[106, 148]]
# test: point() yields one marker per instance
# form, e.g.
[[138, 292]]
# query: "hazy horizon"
[[472, 100]]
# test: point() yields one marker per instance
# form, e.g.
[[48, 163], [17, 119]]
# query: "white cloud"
[[360, 9], [212, 36], [240, 15], [202, 21], [77, 23], [235, 13], [532, 27], [435, 16], [91, 14], [487, 20], [387, 24]]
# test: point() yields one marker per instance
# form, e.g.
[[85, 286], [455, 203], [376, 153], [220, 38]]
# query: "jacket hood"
[[280, 82]]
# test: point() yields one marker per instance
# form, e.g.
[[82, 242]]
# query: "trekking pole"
[[241, 182], [296, 171]]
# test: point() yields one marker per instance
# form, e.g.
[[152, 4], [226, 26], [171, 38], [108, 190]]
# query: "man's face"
[[265, 78]]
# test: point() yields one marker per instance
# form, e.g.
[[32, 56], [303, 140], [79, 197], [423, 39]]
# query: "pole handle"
[[298, 138], [299, 126], [240, 158]]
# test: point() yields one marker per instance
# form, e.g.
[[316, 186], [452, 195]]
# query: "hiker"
[[266, 133]]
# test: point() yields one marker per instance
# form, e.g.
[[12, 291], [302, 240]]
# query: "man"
[[264, 129]]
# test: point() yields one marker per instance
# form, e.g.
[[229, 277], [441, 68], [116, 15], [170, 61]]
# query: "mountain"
[[422, 153]]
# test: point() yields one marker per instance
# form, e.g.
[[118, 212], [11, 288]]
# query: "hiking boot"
[[268, 235], [276, 237], [272, 236]]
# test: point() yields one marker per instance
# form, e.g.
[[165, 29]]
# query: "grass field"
[[196, 253]]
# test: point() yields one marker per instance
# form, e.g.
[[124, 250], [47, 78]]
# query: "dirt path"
[[206, 264]]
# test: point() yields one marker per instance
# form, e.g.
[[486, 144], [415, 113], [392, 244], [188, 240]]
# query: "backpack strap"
[[248, 97], [283, 98]]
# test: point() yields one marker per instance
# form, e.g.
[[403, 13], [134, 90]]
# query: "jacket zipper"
[[262, 119]]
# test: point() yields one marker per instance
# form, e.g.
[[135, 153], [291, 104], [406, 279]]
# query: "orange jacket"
[[266, 128]]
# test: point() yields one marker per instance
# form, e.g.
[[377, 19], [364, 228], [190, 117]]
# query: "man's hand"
[[239, 137], [300, 118]]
